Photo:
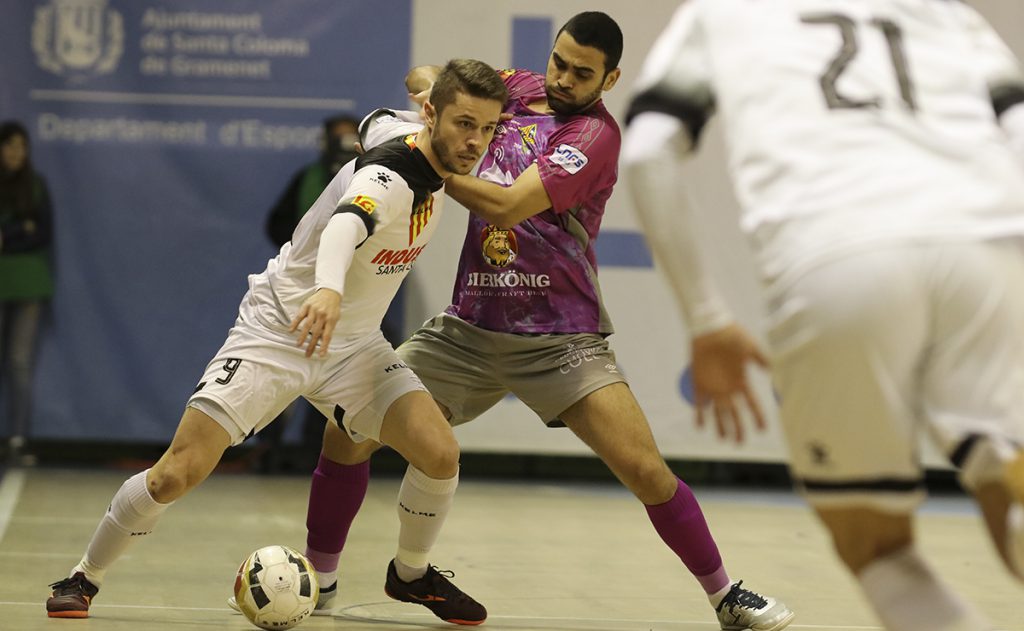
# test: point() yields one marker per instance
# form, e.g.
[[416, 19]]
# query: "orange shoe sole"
[[469, 623], [68, 614]]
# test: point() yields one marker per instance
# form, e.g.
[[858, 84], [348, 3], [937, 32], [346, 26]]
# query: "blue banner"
[[166, 130]]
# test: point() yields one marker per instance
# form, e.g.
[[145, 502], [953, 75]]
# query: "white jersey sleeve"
[[654, 152], [676, 76], [383, 124]]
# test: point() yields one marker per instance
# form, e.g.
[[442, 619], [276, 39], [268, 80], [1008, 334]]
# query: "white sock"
[[907, 595], [326, 579], [716, 598], [132, 514], [423, 505]]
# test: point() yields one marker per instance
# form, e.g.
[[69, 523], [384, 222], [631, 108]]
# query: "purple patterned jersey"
[[541, 276]]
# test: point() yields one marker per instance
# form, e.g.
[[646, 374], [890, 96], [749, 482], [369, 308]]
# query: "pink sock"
[[680, 524], [335, 496]]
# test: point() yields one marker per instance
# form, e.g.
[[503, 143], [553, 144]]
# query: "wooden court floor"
[[541, 557]]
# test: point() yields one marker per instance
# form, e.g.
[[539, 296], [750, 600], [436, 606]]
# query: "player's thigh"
[[357, 391], [194, 452], [456, 364], [251, 380], [552, 373], [974, 378], [414, 427], [847, 338], [609, 420]]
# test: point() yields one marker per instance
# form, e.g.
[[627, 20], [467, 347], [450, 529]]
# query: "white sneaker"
[[744, 610], [324, 602]]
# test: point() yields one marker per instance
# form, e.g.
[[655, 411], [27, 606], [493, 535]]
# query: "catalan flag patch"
[[366, 203], [419, 218]]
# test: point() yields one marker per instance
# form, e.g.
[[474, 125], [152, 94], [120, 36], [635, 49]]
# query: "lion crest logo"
[[78, 39]]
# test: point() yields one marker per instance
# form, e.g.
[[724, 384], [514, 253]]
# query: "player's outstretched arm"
[[502, 206], [654, 151]]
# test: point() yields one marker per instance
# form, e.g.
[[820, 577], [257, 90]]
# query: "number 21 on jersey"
[[849, 31]]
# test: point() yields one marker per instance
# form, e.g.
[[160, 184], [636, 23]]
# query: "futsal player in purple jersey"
[[527, 318]]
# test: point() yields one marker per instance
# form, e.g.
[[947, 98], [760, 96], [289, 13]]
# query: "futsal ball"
[[276, 588]]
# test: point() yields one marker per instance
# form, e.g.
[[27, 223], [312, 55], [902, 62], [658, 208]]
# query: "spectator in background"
[[26, 281], [338, 146]]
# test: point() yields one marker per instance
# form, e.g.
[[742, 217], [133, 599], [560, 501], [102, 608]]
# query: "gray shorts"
[[468, 369]]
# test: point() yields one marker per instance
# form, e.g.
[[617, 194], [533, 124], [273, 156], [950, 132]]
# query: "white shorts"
[[258, 372], [873, 349]]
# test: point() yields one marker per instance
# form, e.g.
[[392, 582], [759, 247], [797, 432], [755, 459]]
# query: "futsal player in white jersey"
[[875, 147], [328, 289]]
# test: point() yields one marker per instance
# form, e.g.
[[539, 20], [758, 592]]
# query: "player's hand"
[[720, 378], [316, 320]]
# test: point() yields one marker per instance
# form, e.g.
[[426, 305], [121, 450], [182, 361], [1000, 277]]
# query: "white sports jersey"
[[849, 122], [396, 191]]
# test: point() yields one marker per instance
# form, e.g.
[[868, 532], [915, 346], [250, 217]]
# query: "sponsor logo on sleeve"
[[366, 203], [569, 158]]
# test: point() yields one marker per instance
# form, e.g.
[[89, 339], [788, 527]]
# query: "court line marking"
[[10, 491], [341, 614], [46, 555], [103, 606], [208, 100]]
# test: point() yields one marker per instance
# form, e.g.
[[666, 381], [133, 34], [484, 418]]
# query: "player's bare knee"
[[649, 479], [439, 459], [177, 472], [167, 481], [861, 537]]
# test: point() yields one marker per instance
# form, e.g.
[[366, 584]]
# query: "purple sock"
[[335, 496], [680, 524]]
